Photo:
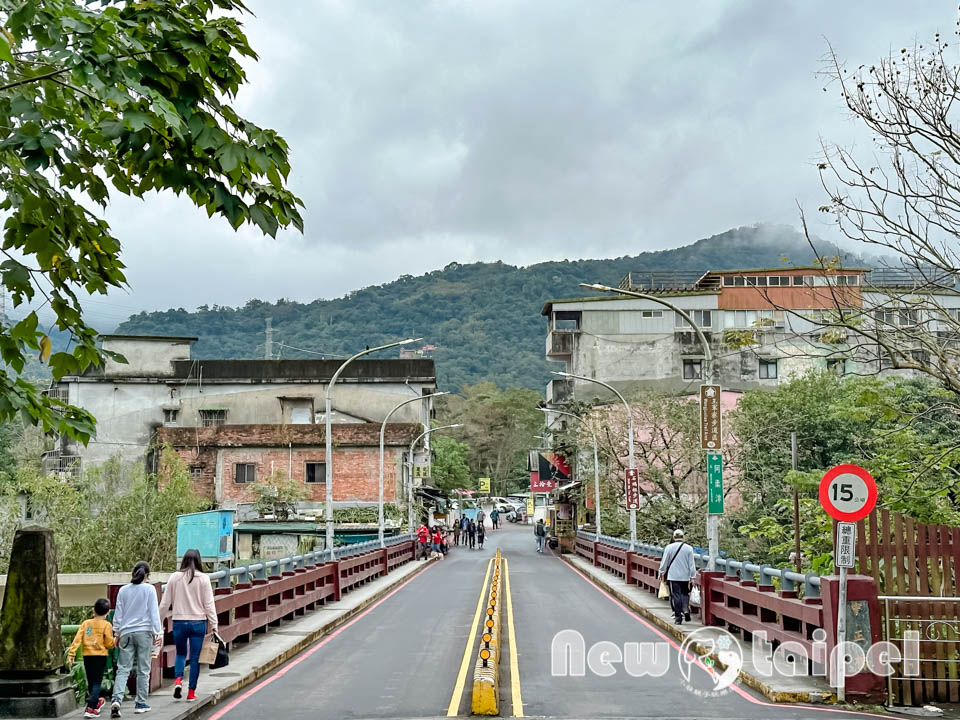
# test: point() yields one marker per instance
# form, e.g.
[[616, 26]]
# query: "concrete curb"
[[770, 693], [203, 704]]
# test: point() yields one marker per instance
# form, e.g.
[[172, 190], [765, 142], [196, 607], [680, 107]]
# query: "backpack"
[[540, 530]]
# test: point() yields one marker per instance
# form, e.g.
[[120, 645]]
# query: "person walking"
[[540, 531], [423, 542], [456, 533], [136, 626], [678, 568], [481, 533], [481, 517], [188, 598], [436, 540], [96, 637], [495, 518], [472, 534]]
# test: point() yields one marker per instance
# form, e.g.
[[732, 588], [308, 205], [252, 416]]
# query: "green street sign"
[[714, 483]]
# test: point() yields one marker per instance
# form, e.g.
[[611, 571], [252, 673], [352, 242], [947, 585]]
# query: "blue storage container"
[[210, 532]]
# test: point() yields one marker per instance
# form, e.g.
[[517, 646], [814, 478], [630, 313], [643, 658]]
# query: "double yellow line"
[[454, 707]]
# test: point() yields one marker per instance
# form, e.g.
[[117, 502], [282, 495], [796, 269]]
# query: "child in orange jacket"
[[96, 637]]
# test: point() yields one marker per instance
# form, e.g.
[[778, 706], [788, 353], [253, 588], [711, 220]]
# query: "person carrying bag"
[[675, 576]]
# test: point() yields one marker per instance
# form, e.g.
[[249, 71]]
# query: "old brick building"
[[227, 459], [237, 422]]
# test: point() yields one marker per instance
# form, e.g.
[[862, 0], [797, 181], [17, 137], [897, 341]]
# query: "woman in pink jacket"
[[189, 598]]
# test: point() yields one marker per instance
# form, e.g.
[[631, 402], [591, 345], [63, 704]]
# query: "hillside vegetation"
[[483, 318]]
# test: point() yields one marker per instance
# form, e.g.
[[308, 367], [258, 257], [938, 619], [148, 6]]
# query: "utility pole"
[[268, 350], [796, 506]]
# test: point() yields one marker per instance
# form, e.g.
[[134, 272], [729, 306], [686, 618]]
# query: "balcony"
[[559, 391], [55, 463], [560, 343]]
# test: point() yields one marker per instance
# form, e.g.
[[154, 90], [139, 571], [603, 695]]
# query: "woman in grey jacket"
[[136, 625]]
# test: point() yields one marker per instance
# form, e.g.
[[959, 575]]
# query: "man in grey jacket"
[[680, 569]]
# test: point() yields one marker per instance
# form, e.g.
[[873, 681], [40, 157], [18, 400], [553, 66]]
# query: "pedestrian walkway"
[[250, 662]]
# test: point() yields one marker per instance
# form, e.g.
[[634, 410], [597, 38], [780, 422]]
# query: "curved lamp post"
[[713, 521], [383, 429], [611, 388], [596, 467], [410, 478], [328, 455]]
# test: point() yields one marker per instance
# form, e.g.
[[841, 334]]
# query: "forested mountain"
[[483, 318]]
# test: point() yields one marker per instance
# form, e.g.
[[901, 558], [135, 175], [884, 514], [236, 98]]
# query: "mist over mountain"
[[482, 319]]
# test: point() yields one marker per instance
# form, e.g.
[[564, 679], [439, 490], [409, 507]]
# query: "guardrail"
[[252, 598]]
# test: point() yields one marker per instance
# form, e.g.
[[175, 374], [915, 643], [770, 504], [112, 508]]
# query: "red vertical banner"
[[633, 489]]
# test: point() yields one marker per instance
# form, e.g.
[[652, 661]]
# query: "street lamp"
[[410, 478], [596, 468], [713, 521], [328, 455], [383, 429], [633, 469]]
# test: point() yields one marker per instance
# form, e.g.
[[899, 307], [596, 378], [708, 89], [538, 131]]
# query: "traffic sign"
[[714, 483], [484, 485], [711, 430], [633, 489], [848, 493], [844, 554]]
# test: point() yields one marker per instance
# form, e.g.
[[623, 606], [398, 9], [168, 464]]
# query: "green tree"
[[114, 97], [450, 468]]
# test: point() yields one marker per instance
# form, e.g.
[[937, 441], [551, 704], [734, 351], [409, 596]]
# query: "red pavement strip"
[[740, 691], [293, 663]]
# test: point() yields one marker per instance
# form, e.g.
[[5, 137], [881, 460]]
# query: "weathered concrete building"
[[763, 326], [239, 421]]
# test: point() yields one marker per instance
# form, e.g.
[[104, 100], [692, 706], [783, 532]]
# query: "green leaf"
[[5, 53], [230, 157]]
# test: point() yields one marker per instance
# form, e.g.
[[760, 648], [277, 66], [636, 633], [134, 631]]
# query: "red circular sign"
[[848, 493]]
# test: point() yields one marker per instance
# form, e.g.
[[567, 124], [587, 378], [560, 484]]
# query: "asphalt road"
[[402, 657]]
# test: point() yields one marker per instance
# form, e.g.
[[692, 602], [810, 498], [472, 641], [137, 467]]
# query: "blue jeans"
[[135, 647], [541, 539], [192, 632]]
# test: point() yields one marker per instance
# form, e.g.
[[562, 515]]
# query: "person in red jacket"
[[423, 542], [437, 539]]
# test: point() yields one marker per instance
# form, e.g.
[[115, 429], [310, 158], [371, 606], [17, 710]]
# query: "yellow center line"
[[514, 665], [454, 708]]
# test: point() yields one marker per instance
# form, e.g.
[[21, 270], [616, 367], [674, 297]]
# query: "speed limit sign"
[[848, 493]]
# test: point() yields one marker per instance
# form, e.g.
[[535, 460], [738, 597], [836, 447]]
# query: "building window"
[[692, 369], [751, 281], [837, 365], [768, 369], [703, 318], [739, 281], [211, 418], [908, 318], [170, 417], [196, 471], [245, 473], [652, 313], [728, 281], [316, 472]]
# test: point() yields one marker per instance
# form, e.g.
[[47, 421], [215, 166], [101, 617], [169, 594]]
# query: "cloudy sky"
[[428, 132]]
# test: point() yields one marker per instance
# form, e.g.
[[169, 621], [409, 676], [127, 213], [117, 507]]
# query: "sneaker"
[[91, 713], [191, 695], [678, 621], [178, 689], [686, 616], [115, 709], [100, 703], [141, 708]]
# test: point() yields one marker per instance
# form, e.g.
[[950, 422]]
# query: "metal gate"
[[926, 630]]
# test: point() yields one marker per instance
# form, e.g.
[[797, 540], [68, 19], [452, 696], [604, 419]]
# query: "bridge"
[[381, 635]]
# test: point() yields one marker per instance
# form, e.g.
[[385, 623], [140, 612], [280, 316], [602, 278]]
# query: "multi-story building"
[[239, 421], [763, 326]]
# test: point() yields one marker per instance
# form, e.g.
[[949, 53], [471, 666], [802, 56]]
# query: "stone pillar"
[[31, 646]]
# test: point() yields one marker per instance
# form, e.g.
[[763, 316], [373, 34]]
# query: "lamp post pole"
[[328, 454], [596, 469], [383, 429], [633, 468], [713, 521], [410, 474]]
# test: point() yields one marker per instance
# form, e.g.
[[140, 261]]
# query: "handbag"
[[208, 653], [664, 592], [223, 657]]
